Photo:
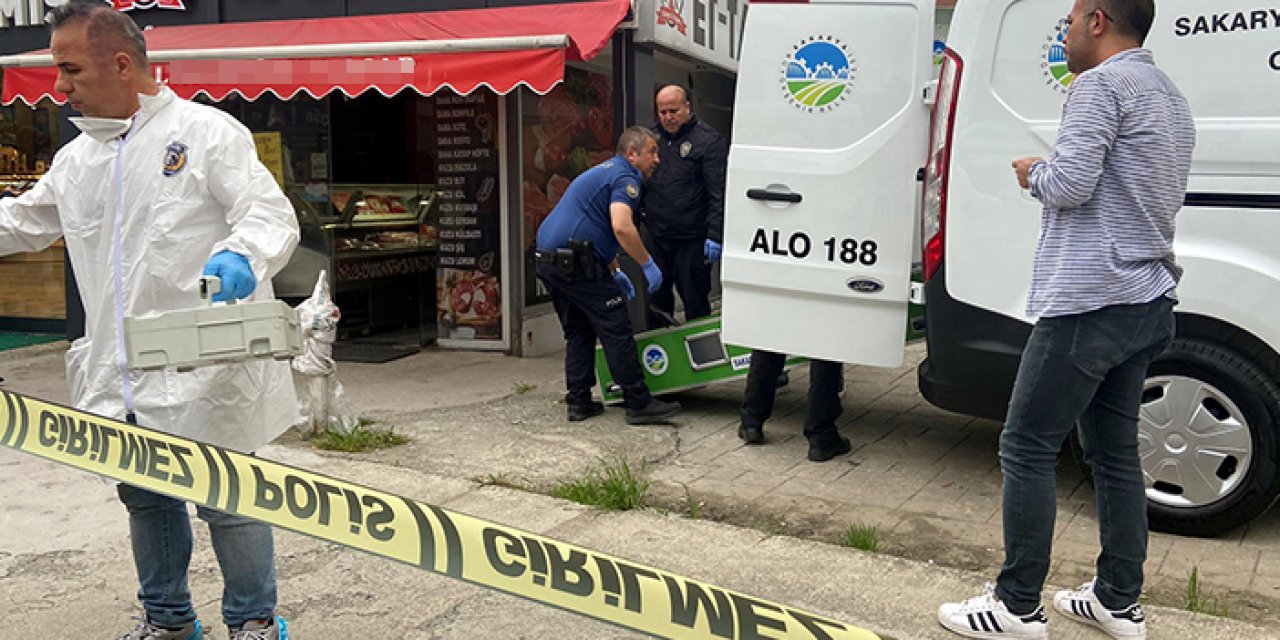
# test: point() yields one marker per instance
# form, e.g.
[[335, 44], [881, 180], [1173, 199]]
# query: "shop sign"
[[32, 13], [707, 30]]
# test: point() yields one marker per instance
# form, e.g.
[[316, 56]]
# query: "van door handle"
[[773, 196]]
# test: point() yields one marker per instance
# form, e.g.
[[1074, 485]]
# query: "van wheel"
[[1207, 439]]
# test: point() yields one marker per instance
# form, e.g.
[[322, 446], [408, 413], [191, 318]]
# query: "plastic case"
[[190, 338]]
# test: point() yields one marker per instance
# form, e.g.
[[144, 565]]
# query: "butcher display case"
[[33, 296], [378, 245]]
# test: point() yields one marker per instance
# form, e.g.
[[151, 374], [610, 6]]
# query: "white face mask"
[[102, 129]]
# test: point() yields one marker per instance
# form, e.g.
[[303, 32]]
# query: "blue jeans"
[[160, 531], [1085, 369]]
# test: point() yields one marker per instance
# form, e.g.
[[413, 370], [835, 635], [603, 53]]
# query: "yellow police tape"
[[453, 544]]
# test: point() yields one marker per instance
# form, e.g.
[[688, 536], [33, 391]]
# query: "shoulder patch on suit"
[[175, 158]]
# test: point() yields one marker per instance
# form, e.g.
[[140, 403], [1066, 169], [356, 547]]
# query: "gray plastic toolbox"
[[189, 338]]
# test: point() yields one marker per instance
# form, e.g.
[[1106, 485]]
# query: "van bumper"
[[973, 354]]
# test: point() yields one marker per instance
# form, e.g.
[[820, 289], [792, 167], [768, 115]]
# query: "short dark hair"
[[109, 30], [1133, 18], [633, 139]]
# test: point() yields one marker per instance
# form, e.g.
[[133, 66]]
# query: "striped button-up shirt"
[[1110, 189]]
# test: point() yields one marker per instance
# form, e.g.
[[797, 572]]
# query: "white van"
[[843, 149]]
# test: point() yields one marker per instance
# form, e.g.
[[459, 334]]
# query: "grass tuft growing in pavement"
[[362, 437], [695, 506], [1198, 602], [610, 485], [523, 387], [864, 537]]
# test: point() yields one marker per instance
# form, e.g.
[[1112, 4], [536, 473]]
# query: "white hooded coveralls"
[[141, 216]]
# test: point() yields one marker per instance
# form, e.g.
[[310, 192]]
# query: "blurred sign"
[[31, 13], [708, 30], [130, 5]]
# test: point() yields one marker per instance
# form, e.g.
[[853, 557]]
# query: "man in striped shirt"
[[1103, 293]]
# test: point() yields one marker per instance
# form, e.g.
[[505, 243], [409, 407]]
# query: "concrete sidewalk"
[[926, 478]]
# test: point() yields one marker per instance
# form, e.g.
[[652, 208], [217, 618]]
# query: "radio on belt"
[[189, 338]]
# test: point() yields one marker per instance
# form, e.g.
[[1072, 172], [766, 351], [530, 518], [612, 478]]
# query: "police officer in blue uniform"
[[577, 259], [684, 205]]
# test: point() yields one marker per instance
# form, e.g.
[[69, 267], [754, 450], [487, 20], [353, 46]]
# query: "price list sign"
[[469, 277]]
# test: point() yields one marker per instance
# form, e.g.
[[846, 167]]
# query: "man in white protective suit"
[[155, 192]]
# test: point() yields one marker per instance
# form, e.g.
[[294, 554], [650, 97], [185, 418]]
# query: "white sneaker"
[[1082, 605], [987, 617]]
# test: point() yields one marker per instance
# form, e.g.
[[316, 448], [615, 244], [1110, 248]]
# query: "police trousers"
[[825, 382], [591, 309], [684, 268]]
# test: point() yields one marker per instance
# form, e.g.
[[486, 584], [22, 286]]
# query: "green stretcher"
[[691, 355], [682, 357]]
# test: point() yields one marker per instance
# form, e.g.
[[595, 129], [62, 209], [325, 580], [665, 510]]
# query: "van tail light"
[[937, 172]]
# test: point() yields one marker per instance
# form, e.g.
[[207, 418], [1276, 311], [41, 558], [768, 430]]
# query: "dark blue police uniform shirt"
[[583, 212]]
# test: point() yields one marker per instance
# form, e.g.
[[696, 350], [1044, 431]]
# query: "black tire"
[[1251, 399]]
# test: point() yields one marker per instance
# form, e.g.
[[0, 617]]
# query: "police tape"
[[384, 524]]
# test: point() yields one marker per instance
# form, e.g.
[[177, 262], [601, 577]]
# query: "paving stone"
[[896, 403], [882, 518], [1224, 563], [887, 488], [673, 474], [737, 491], [948, 499], [1266, 578], [970, 545], [779, 455], [723, 473], [1264, 532]]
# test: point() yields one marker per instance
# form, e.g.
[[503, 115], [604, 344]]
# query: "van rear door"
[[830, 129]]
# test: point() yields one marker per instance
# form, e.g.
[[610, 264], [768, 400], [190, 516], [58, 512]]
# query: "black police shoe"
[[656, 412], [750, 433], [580, 412], [824, 448]]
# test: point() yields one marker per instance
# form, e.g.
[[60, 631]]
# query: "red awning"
[[498, 48]]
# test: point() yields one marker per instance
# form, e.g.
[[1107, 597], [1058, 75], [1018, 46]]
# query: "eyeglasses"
[[1068, 20]]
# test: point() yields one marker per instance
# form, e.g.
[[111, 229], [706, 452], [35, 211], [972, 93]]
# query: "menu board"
[[469, 277]]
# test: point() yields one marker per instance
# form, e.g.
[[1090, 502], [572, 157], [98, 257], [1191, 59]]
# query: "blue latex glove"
[[624, 283], [653, 274], [711, 249], [237, 276]]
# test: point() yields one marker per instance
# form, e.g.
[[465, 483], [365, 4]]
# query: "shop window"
[[33, 297], [563, 133], [28, 140]]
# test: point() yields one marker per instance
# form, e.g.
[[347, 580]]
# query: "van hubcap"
[[1194, 442]]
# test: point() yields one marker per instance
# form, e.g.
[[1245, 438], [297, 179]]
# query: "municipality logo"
[[1054, 59], [655, 359], [817, 76]]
